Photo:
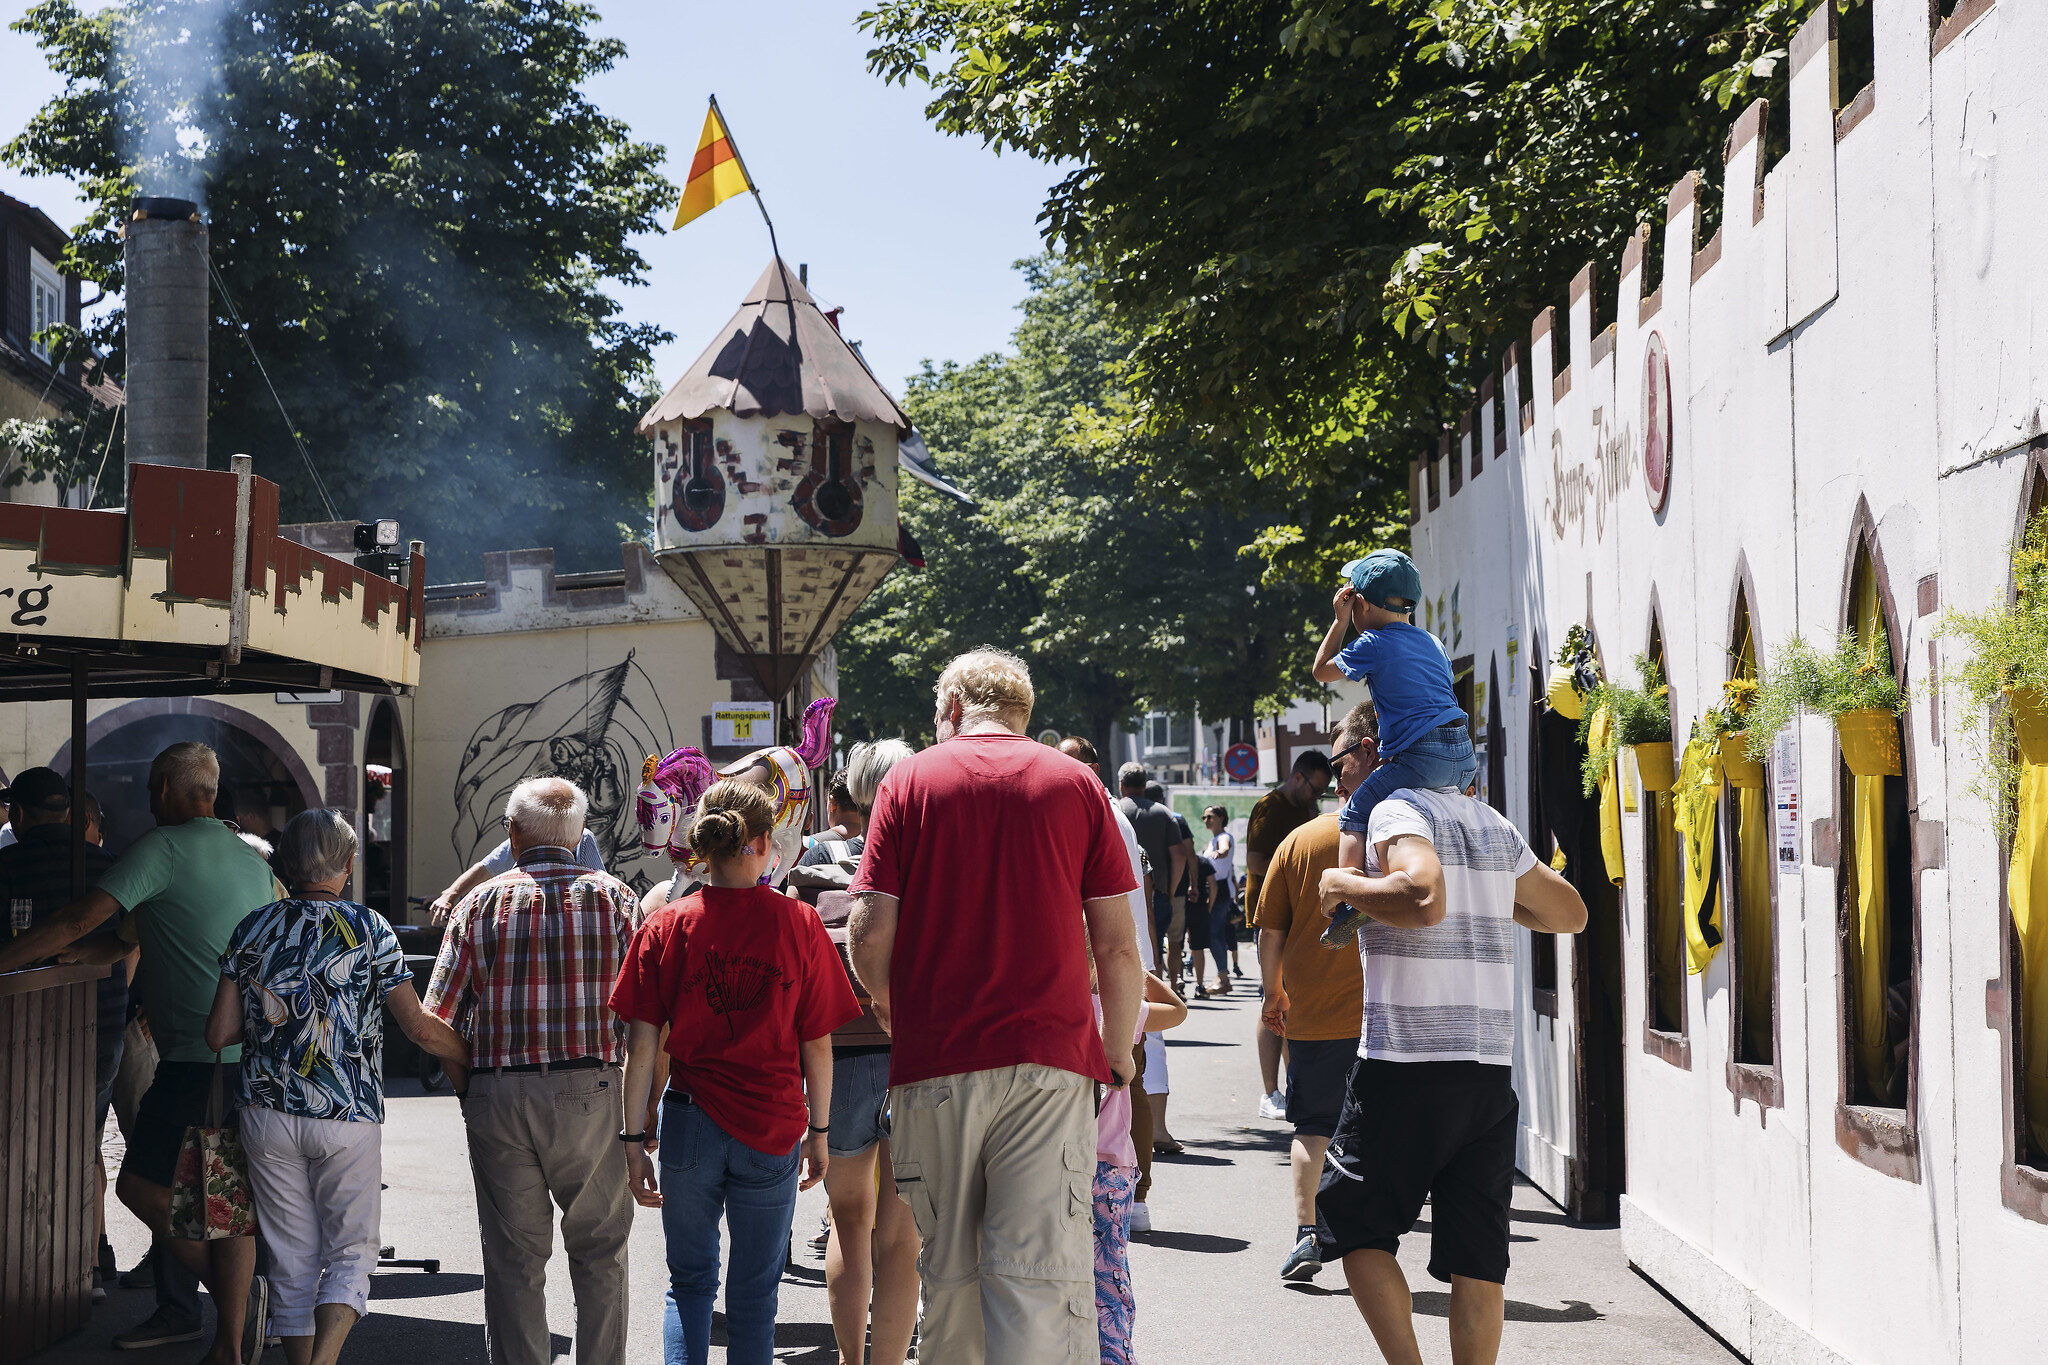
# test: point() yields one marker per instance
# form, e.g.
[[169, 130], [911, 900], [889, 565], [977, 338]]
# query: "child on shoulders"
[[1425, 738]]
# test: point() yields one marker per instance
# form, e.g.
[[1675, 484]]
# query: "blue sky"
[[914, 233]]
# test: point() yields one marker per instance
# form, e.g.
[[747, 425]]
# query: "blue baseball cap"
[[1385, 575]]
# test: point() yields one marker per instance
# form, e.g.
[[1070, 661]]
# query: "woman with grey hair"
[[871, 1251], [304, 985]]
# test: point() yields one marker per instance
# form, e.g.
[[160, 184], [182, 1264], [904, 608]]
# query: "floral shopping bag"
[[210, 1195]]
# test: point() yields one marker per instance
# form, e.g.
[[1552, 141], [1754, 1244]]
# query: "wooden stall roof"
[[192, 590]]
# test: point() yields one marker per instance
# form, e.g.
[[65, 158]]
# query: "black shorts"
[[1410, 1130], [176, 1100], [1198, 927], [1318, 1076]]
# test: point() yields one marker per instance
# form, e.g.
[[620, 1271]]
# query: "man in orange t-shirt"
[[1314, 996]]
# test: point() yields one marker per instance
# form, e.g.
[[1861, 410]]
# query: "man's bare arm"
[[61, 930], [871, 941], [460, 887], [1119, 977], [1409, 896], [1548, 903]]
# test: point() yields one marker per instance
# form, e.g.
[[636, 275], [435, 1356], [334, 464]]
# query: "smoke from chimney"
[[164, 257]]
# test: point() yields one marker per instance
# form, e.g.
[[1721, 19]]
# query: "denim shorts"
[[1442, 758], [860, 1103]]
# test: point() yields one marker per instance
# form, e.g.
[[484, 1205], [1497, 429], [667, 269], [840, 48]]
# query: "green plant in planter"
[[1731, 717], [2008, 653], [1801, 679], [1639, 715]]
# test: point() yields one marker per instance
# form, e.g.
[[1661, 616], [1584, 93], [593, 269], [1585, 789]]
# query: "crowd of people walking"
[[960, 1038]]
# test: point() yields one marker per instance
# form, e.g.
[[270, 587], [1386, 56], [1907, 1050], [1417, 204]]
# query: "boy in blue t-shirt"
[[1425, 737]]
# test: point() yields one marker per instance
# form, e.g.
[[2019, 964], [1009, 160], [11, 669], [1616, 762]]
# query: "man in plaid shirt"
[[524, 972]]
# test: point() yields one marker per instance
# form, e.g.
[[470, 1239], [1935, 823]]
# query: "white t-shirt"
[[1141, 914], [1225, 848], [1446, 993]]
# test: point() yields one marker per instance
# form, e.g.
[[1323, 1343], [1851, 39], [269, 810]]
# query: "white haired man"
[[531, 957], [993, 867], [185, 886]]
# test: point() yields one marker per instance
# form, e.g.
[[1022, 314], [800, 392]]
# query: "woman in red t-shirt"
[[747, 986]]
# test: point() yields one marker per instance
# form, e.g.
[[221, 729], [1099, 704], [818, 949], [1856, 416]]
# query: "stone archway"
[[260, 768]]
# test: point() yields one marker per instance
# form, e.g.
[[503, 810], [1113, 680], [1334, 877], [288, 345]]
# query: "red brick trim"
[[1707, 257], [1813, 38], [1966, 14], [1857, 110]]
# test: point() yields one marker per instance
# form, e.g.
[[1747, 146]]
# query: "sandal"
[[1201, 992], [1168, 1146]]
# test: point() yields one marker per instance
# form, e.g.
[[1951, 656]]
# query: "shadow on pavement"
[[1191, 1241], [1246, 1140], [1436, 1304], [1160, 1158], [418, 1285], [393, 1336], [823, 1347], [1197, 1042], [1321, 1291]]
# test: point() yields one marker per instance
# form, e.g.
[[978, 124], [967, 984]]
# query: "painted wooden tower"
[[775, 465]]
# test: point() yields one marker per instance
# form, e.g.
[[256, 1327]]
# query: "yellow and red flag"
[[716, 175]]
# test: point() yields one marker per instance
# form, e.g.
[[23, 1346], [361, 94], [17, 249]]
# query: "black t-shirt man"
[[1157, 832]]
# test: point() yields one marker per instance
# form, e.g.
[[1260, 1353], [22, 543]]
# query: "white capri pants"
[[319, 1195], [1156, 1080]]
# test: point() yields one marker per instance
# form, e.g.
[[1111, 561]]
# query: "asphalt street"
[[1207, 1278]]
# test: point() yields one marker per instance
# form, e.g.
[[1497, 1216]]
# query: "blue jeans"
[[1441, 758], [706, 1173]]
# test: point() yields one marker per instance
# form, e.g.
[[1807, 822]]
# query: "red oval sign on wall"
[[1656, 423]]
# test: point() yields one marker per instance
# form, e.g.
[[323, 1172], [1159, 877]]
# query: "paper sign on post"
[[733, 726], [1785, 798]]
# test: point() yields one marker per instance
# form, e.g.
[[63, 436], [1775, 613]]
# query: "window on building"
[[1875, 877], [46, 302], [1158, 731], [1749, 883], [1664, 896]]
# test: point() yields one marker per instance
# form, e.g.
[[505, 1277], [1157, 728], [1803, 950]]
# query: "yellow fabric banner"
[[1697, 799], [2027, 889], [1870, 936], [1598, 736], [716, 174]]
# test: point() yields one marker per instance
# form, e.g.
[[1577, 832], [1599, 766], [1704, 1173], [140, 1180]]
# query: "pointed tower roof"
[[779, 356]]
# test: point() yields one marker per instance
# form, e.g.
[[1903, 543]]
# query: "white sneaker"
[[1141, 1218], [1273, 1106]]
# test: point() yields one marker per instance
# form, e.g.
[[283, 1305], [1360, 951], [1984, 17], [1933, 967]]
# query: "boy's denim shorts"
[[1442, 758]]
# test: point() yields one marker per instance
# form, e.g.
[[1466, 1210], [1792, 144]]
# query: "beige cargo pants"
[[998, 1168]]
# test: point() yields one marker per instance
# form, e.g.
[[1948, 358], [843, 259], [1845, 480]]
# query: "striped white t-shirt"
[[1446, 993]]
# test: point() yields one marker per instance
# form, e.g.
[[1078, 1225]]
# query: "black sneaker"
[[1306, 1261], [160, 1328], [143, 1273], [255, 1320]]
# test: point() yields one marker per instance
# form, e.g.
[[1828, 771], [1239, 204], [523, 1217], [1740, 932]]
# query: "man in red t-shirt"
[[985, 855]]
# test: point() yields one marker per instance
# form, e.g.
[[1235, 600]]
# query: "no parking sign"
[[1241, 762]]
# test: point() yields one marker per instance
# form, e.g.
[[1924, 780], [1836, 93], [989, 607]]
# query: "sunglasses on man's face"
[[1349, 750]]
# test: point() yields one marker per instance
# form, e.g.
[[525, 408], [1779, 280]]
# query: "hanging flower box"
[[1870, 741]]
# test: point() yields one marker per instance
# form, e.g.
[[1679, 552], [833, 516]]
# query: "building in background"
[[1825, 416], [36, 295]]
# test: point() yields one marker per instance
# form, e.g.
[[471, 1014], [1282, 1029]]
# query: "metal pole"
[[754, 188], [77, 776]]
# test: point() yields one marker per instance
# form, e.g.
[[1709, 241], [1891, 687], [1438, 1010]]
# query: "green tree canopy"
[[1325, 219], [1121, 589], [416, 211]]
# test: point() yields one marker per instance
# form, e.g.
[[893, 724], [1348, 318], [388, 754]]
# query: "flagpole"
[[753, 186]]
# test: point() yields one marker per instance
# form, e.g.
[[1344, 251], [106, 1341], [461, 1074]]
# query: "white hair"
[[868, 764], [548, 811], [188, 769], [316, 846]]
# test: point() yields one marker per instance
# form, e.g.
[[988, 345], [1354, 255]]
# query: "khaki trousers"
[[998, 1168], [537, 1142]]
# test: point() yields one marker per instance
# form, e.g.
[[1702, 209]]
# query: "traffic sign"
[[1241, 762]]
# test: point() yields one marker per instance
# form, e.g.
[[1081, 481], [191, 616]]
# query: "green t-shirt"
[[186, 888]]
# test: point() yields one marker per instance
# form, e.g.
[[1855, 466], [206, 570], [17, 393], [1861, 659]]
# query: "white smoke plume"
[[169, 69]]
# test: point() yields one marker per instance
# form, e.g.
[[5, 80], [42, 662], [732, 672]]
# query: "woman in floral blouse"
[[304, 985]]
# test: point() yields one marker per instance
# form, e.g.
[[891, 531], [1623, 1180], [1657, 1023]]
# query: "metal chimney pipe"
[[164, 255]]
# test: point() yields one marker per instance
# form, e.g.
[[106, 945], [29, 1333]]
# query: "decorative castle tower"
[[775, 481]]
